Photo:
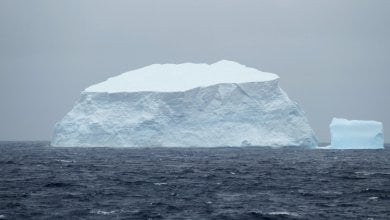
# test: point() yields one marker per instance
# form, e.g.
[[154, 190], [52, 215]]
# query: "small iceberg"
[[356, 134]]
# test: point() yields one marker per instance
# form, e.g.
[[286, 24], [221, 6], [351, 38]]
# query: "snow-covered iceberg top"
[[181, 77], [356, 134]]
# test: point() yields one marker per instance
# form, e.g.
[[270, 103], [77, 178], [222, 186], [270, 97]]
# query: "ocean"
[[42, 182]]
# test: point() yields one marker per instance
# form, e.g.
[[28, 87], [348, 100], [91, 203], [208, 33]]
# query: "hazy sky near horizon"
[[333, 56]]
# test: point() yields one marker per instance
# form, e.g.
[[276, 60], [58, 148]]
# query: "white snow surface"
[[356, 134], [234, 111], [181, 77]]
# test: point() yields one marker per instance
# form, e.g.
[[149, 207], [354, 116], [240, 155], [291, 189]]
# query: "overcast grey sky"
[[333, 56]]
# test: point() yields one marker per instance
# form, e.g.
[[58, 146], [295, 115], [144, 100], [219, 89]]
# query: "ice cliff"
[[186, 105], [356, 134]]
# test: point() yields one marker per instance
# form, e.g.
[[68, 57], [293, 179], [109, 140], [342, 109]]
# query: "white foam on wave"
[[101, 212], [284, 213], [160, 184]]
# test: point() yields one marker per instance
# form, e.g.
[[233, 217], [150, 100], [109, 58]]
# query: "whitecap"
[[101, 212], [160, 184], [66, 161], [284, 213]]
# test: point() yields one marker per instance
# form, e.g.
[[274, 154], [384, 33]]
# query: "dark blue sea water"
[[42, 182]]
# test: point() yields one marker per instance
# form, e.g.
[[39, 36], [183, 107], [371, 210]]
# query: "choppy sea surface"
[[42, 182]]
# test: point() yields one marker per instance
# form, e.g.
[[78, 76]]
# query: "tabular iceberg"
[[356, 134], [186, 105]]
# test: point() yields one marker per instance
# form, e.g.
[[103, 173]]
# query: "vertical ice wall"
[[356, 134]]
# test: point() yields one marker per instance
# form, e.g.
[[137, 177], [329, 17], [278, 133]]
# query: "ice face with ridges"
[[246, 113], [356, 134]]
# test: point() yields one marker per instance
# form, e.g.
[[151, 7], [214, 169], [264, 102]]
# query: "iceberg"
[[186, 105], [356, 134]]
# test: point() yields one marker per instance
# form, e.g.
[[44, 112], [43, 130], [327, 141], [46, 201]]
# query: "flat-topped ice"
[[181, 77], [186, 105], [356, 134]]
